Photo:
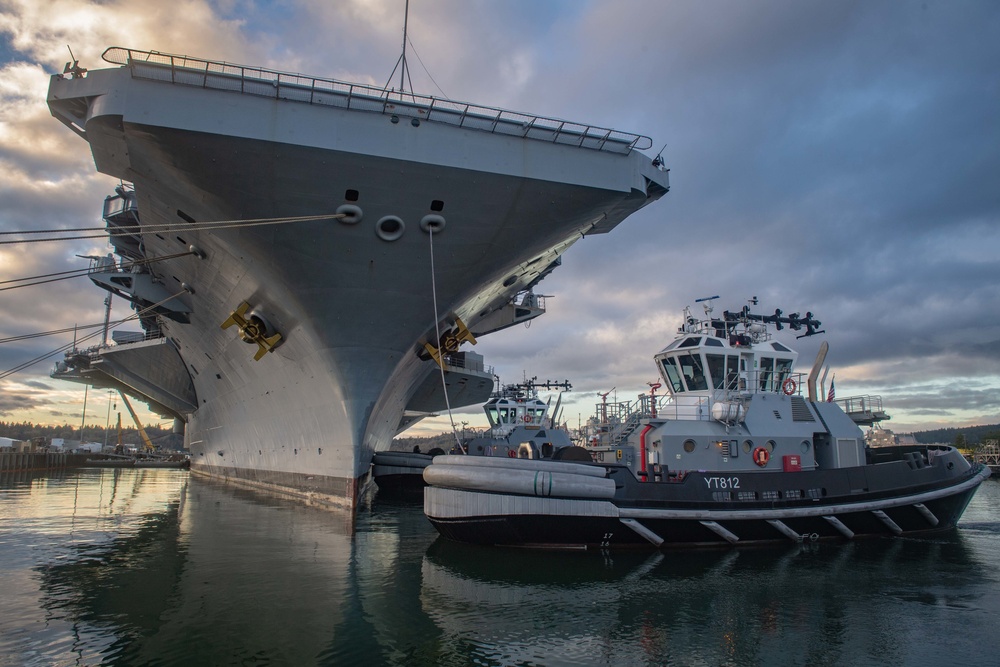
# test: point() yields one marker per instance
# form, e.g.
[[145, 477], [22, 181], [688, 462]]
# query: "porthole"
[[351, 195], [769, 446], [690, 445], [437, 205], [390, 227], [352, 214], [747, 446], [804, 446]]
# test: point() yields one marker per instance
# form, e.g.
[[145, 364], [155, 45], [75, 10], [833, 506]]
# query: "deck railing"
[[184, 70]]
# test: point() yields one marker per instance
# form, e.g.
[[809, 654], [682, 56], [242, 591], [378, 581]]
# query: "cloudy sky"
[[832, 156]]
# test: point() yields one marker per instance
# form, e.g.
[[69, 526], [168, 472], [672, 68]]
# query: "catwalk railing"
[[188, 71]]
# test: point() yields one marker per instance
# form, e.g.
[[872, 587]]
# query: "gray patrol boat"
[[307, 255]]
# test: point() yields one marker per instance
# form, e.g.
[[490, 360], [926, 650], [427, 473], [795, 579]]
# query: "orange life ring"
[[789, 386], [761, 456], [511, 454], [527, 419]]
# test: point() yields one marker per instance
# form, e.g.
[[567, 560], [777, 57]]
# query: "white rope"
[[67, 346], [437, 334], [168, 228]]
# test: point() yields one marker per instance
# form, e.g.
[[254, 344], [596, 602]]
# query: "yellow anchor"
[[252, 330], [450, 341]]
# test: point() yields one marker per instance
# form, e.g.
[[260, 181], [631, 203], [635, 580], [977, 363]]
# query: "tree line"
[[163, 438], [966, 436]]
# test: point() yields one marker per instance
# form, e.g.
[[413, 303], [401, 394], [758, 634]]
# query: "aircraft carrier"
[[308, 255]]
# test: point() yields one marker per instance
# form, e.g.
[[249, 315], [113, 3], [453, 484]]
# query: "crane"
[[147, 444]]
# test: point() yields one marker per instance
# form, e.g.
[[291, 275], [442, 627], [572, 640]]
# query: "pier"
[[21, 461], [989, 456]]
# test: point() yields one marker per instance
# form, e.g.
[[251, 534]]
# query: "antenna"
[[404, 72], [708, 306]]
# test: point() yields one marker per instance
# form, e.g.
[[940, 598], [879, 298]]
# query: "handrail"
[[861, 404], [185, 70]]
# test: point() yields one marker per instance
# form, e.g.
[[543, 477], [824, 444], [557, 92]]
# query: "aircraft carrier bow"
[[277, 234]]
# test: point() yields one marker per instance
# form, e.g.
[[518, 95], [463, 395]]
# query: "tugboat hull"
[[670, 517]]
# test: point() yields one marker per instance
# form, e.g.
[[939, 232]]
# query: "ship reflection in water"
[[156, 567]]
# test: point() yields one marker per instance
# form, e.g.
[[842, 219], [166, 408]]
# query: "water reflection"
[[217, 576], [119, 589], [823, 604], [156, 567]]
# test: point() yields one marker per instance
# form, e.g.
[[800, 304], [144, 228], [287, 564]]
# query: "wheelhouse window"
[[673, 376], [717, 369], [783, 369], [693, 371], [732, 372], [724, 370], [766, 373]]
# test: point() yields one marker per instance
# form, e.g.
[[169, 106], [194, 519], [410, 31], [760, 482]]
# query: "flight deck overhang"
[[150, 370]]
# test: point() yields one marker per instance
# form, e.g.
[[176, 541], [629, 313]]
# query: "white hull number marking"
[[723, 482]]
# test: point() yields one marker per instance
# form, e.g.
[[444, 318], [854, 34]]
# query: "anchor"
[[253, 330], [450, 341]]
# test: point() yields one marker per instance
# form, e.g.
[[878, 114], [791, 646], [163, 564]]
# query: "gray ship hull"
[[352, 308]]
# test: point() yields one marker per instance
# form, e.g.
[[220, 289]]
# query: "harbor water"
[[159, 567]]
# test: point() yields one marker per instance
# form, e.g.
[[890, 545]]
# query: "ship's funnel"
[[818, 364]]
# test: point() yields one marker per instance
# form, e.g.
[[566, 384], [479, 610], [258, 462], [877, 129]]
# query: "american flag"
[[829, 396]]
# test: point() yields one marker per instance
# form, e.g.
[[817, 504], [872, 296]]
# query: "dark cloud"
[[35, 384], [833, 157], [13, 400]]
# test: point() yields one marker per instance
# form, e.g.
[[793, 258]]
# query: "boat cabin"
[[710, 365], [735, 404], [505, 412]]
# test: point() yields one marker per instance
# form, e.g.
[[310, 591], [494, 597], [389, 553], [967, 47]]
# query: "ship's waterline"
[[343, 307]]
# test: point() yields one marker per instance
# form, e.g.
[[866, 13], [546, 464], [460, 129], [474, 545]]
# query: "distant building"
[[17, 446], [881, 437], [63, 444]]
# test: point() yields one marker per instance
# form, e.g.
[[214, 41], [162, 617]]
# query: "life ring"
[[789, 386], [511, 454], [526, 419], [761, 456]]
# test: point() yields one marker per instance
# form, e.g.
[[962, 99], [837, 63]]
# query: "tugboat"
[[519, 428], [733, 454]]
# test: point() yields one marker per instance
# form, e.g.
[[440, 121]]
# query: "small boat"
[[733, 454], [520, 427]]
